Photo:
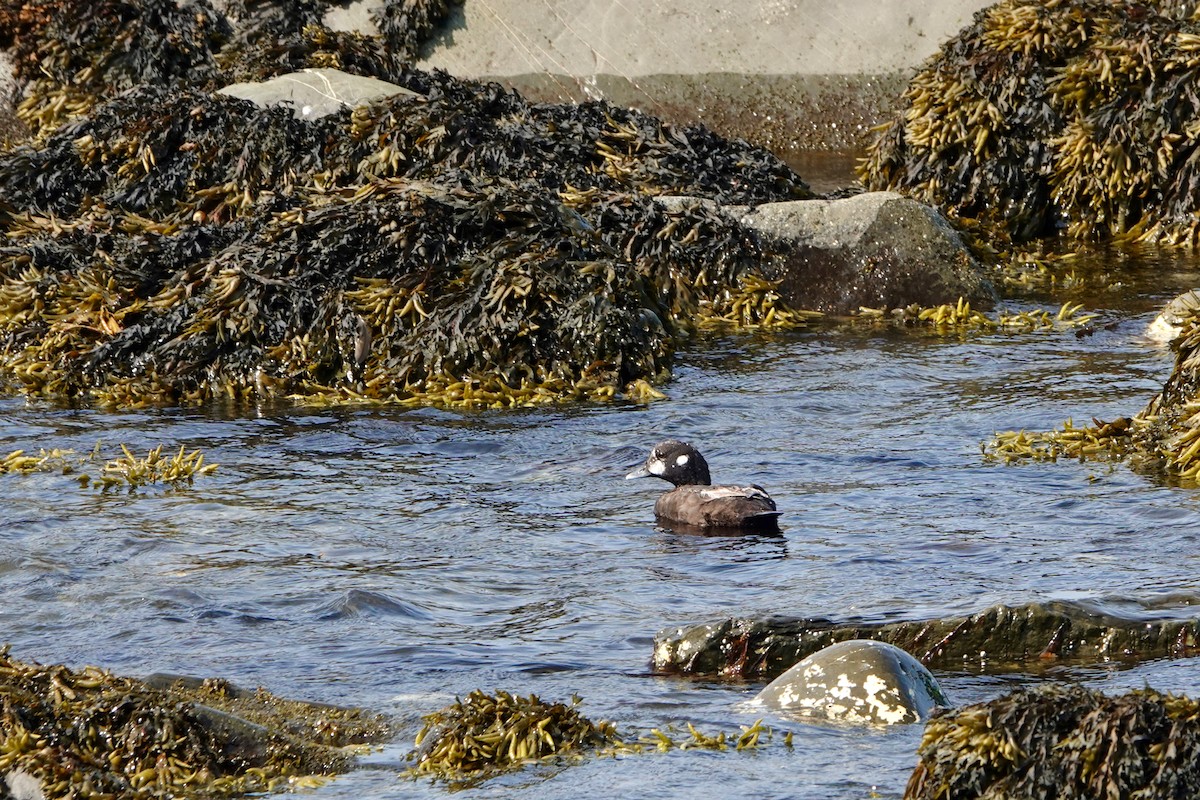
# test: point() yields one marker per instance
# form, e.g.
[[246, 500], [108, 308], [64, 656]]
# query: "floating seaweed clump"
[[960, 316], [1062, 743], [126, 470], [489, 734], [89, 733], [1040, 116], [486, 734], [1111, 440]]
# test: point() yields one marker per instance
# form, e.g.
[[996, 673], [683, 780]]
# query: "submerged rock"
[[857, 681], [1062, 743], [999, 639]]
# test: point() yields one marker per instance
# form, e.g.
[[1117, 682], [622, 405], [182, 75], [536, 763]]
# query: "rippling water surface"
[[397, 558]]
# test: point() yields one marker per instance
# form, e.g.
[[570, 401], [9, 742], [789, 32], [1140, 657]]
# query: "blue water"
[[397, 558]]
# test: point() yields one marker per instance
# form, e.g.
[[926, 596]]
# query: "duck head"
[[676, 462]]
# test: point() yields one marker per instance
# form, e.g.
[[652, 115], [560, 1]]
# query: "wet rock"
[[315, 93], [1062, 743], [858, 681], [1001, 638], [876, 249], [873, 249], [1169, 323]]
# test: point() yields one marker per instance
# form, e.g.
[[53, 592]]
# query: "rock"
[[861, 681], [1169, 324], [23, 786], [1062, 743], [1015, 144], [315, 93], [999, 639], [872, 249]]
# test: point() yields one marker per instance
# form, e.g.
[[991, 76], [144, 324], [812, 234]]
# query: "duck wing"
[[737, 507]]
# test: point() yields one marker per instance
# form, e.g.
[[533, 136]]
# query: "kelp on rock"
[[1068, 114], [462, 247]]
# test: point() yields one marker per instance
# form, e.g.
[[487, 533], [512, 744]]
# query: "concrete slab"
[[791, 75]]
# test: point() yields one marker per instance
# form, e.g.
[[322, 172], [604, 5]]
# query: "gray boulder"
[[872, 249], [858, 681], [315, 93]]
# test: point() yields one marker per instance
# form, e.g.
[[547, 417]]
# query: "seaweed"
[[1062, 743], [1070, 115], [89, 733]]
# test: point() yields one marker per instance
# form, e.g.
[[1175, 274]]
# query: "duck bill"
[[640, 472]]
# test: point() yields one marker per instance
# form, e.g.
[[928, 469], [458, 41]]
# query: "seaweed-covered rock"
[[1164, 437], [88, 733], [856, 681], [460, 246], [1070, 114], [1168, 428], [70, 56], [998, 639], [1062, 743]]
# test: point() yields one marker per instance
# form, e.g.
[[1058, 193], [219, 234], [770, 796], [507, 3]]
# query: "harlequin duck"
[[694, 502]]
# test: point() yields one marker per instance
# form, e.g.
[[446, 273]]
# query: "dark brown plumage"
[[695, 503]]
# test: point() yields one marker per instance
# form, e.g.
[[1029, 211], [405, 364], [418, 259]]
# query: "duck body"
[[695, 502]]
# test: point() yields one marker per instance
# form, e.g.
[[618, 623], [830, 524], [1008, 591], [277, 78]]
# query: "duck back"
[[743, 507]]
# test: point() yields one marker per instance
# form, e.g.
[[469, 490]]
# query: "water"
[[395, 558]]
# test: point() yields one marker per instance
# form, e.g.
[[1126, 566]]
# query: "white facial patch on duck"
[[682, 460], [655, 466]]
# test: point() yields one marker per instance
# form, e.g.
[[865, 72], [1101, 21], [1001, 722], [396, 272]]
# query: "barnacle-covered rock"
[[1074, 114], [1000, 638], [857, 681], [89, 733], [1062, 743]]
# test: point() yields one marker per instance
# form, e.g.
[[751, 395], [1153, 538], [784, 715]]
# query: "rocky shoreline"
[[425, 239]]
